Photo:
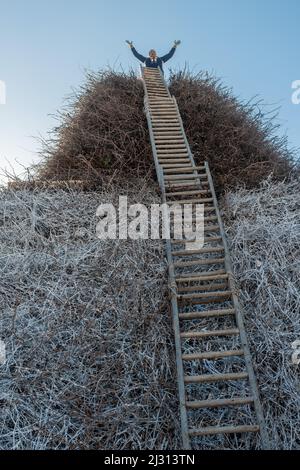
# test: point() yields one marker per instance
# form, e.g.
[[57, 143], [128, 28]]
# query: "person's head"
[[152, 54]]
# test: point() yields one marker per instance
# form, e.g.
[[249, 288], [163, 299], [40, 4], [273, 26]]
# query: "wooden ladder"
[[216, 380]]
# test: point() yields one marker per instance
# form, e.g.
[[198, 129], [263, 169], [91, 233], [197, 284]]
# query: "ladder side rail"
[[191, 156], [240, 322], [173, 292]]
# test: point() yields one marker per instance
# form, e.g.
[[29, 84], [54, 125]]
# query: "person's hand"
[[177, 43], [130, 43]]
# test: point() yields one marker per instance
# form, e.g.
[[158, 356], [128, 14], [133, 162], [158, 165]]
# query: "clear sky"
[[46, 45]]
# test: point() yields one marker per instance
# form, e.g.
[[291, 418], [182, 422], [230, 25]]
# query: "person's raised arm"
[[171, 53], [135, 52]]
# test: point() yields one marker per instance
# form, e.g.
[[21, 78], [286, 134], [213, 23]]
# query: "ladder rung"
[[221, 277], [206, 314], [191, 201], [206, 240], [206, 378], [212, 430], [166, 128], [171, 152], [156, 86], [197, 288], [219, 403], [188, 220], [212, 355], [204, 295], [161, 148], [198, 252], [200, 262], [192, 168], [188, 193], [181, 159], [181, 177], [206, 276], [171, 141], [185, 185], [168, 136], [206, 334], [174, 158], [162, 113]]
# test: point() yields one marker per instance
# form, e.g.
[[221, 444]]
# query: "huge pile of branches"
[[264, 237], [87, 327], [240, 140], [88, 331], [103, 129]]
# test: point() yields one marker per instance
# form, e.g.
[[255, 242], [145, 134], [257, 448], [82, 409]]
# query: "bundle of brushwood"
[[103, 129]]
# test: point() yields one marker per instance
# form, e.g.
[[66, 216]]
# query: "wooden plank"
[[212, 430], [219, 403], [216, 249], [200, 262], [213, 355], [208, 378], [206, 240], [206, 314], [192, 168], [207, 334], [178, 177], [191, 201], [205, 287], [188, 193], [179, 159], [204, 295], [201, 276]]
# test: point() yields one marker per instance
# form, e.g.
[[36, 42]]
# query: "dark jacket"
[[154, 63]]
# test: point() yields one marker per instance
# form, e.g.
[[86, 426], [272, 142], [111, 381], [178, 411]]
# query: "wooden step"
[[192, 220], [168, 137], [206, 240], [188, 280], [169, 148], [200, 262], [192, 168], [170, 158], [208, 378], [167, 128], [179, 177], [155, 86], [212, 430], [204, 295], [186, 185], [216, 249], [219, 403], [165, 100], [179, 159], [174, 141], [188, 193], [191, 201], [163, 107], [201, 288], [213, 355], [172, 166], [207, 314], [201, 276], [207, 334]]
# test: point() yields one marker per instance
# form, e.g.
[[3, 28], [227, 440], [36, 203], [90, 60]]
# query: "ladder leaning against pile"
[[199, 280]]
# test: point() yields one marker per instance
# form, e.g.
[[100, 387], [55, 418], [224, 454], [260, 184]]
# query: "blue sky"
[[253, 45]]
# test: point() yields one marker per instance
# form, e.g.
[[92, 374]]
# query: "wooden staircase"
[[216, 382]]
